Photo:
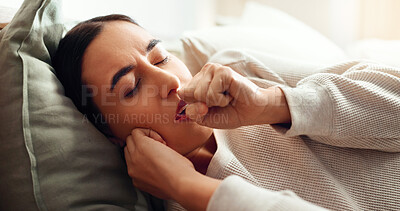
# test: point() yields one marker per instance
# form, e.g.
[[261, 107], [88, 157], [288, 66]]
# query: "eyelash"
[[164, 61], [133, 91]]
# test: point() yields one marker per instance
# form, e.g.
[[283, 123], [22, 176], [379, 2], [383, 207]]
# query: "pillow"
[[51, 157], [263, 29], [381, 51]]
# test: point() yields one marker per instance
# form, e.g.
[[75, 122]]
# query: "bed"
[[51, 158]]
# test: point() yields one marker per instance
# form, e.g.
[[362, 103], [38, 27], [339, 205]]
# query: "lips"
[[181, 111]]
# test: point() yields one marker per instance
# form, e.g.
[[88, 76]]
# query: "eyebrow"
[[125, 70], [152, 44]]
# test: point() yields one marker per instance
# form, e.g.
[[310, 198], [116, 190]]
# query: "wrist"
[[195, 191], [276, 109]]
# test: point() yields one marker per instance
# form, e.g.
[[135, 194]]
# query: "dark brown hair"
[[67, 63]]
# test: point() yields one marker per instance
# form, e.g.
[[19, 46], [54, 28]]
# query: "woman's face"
[[134, 81]]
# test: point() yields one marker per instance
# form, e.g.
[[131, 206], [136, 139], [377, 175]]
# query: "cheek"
[[183, 138], [123, 118], [182, 71]]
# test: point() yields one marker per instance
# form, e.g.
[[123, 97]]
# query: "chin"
[[191, 141]]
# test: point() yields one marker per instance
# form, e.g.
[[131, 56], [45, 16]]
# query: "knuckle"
[[189, 92], [197, 94], [210, 95], [221, 72], [129, 138], [227, 75], [211, 66], [207, 65], [204, 89], [137, 131], [227, 70], [212, 103], [215, 64], [134, 132]]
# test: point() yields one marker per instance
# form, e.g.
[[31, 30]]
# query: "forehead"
[[119, 43]]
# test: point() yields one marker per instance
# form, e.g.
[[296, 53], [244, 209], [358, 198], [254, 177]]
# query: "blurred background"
[[342, 21]]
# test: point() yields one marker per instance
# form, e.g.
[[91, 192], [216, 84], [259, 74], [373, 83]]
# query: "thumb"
[[214, 117], [139, 133], [154, 135], [219, 118], [196, 111]]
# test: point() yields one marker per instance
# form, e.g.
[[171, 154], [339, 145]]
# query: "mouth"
[[181, 111]]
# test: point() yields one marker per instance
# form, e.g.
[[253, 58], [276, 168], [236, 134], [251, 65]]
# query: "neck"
[[202, 156]]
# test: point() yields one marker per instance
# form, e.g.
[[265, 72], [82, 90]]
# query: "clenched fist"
[[219, 97]]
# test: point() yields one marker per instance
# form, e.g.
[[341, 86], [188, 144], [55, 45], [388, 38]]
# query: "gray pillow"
[[51, 158]]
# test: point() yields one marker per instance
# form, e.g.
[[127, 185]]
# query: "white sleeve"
[[234, 193], [353, 104], [356, 107]]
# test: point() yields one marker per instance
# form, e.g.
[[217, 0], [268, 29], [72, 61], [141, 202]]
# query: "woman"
[[115, 71]]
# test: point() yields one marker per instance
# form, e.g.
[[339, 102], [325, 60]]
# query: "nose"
[[166, 81]]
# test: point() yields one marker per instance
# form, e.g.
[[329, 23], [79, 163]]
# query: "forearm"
[[195, 192], [355, 109]]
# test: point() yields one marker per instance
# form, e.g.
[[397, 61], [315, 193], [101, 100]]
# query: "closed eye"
[[164, 61], [134, 90]]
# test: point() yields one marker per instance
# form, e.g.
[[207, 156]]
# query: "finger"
[[196, 111], [186, 92], [130, 145], [154, 135], [218, 93], [220, 118], [127, 155], [139, 134], [200, 92]]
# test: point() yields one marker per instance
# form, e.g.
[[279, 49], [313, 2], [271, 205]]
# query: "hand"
[[160, 171], [219, 97], [154, 167]]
